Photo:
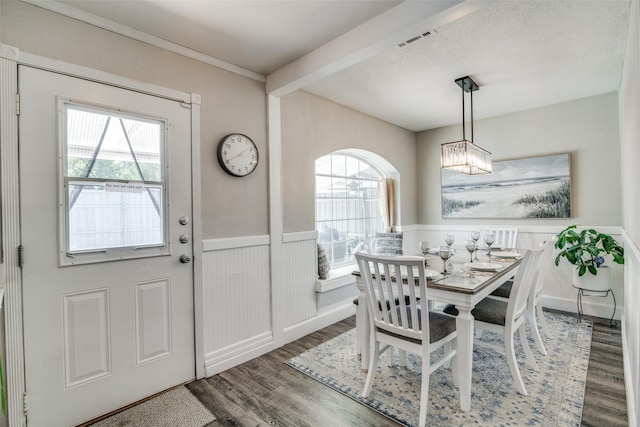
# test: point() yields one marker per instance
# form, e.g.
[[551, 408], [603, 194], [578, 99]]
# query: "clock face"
[[237, 154]]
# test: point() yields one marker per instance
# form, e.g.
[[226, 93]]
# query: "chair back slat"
[[504, 237], [547, 252], [394, 288], [522, 283]]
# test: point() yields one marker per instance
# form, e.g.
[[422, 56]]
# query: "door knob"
[[185, 259]]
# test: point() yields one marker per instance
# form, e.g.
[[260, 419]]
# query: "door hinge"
[[24, 404], [17, 104], [20, 256]]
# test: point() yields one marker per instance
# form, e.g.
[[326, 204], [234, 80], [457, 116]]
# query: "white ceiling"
[[523, 54]]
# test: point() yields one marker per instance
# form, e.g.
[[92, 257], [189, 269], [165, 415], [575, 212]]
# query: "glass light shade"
[[464, 156]]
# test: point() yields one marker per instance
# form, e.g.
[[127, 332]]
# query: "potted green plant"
[[586, 250]]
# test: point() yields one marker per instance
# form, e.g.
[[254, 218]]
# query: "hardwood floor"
[[605, 402], [264, 391]]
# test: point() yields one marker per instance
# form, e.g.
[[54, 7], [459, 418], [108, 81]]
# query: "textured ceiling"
[[523, 54]]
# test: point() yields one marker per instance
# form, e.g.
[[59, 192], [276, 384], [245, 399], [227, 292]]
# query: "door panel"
[[100, 333]]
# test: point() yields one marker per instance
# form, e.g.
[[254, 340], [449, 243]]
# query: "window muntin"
[[114, 184], [347, 205]]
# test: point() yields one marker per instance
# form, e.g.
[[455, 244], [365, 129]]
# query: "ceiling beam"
[[389, 29]]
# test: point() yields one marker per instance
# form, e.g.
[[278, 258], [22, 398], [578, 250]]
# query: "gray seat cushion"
[[488, 310], [439, 325], [503, 291]]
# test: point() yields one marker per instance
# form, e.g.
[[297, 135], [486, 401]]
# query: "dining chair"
[[507, 317], [504, 237], [403, 323], [534, 302]]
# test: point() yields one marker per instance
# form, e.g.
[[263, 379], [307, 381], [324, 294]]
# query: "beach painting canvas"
[[536, 187]]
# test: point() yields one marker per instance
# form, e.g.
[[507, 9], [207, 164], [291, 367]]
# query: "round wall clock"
[[237, 154]]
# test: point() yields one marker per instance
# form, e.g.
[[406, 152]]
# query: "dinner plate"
[[483, 266], [501, 254], [432, 274]]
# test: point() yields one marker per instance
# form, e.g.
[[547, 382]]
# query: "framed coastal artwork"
[[535, 187]]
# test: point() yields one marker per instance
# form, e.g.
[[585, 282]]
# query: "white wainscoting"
[[236, 301], [631, 328], [300, 262], [237, 289], [307, 306], [558, 292]]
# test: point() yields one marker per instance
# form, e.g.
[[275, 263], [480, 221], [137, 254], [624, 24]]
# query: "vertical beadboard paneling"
[[237, 295], [631, 327], [14, 368], [299, 272]]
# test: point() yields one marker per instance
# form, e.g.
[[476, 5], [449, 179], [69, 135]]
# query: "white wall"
[[586, 128], [629, 106]]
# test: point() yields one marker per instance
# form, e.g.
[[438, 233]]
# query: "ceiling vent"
[[416, 38]]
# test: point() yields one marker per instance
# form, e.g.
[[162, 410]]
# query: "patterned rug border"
[[563, 406]]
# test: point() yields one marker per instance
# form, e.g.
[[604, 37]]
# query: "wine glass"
[[475, 235], [489, 238], [425, 247], [449, 239], [471, 247], [445, 254]]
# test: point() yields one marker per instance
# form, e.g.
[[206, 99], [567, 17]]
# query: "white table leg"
[[464, 326]]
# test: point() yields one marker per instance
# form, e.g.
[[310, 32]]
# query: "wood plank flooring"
[[264, 391], [605, 402]]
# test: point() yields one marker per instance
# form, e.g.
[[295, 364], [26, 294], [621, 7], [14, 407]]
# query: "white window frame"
[[373, 165], [68, 257]]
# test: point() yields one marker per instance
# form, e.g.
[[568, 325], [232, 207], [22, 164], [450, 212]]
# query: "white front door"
[[105, 194]]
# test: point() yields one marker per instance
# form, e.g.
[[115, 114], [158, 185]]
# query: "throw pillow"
[[323, 263], [388, 244]]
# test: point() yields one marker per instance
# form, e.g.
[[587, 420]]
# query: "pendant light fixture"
[[464, 156]]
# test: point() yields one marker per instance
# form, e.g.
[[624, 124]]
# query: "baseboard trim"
[[228, 357], [233, 355], [322, 320], [590, 308], [632, 414]]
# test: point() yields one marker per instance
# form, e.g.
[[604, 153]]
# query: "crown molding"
[[80, 15]]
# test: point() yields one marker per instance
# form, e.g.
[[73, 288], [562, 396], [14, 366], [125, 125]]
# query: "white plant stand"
[[599, 286]]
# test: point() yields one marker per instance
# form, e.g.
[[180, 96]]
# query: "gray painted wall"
[[230, 103], [313, 127], [586, 128]]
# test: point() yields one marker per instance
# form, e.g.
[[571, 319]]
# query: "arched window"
[[347, 205]]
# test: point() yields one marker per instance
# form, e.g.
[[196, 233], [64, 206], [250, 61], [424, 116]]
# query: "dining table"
[[465, 284]]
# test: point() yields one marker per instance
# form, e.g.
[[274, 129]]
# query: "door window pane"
[[102, 218], [114, 183]]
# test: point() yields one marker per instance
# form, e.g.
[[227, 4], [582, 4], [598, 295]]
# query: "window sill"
[[337, 278]]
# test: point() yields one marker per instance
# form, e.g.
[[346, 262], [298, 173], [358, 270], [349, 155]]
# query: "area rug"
[[555, 397], [175, 408]]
